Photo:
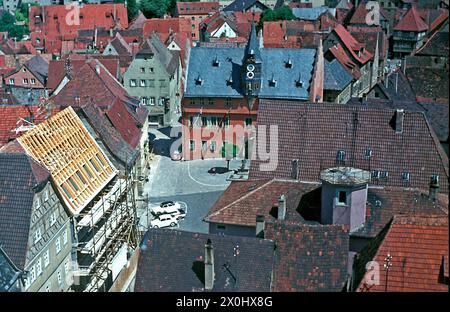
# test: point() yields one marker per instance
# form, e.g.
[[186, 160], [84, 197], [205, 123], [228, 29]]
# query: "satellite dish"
[[250, 67], [250, 75]]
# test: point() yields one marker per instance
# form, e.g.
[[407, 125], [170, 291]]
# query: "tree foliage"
[[132, 8], [155, 8], [8, 23], [283, 13]]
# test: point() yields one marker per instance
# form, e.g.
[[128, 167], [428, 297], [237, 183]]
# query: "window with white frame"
[[66, 267], [25, 80], [65, 236], [52, 218], [38, 267], [132, 82], [37, 235], [11, 81], [46, 258], [59, 277], [37, 203], [341, 198], [46, 194], [32, 274], [152, 101], [191, 145], [143, 83], [33, 81], [58, 245]]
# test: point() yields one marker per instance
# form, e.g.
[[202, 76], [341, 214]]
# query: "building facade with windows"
[[35, 230], [196, 12], [154, 77], [224, 85]]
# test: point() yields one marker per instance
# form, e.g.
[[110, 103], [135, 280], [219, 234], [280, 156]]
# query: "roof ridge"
[[242, 198]]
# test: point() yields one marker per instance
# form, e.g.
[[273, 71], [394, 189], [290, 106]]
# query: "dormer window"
[[199, 81], [367, 153], [272, 82], [230, 81], [216, 62], [340, 156], [288, 64], [299, 83], [405, 176]]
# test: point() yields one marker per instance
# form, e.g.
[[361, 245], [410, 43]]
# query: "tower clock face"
[[250, 67]]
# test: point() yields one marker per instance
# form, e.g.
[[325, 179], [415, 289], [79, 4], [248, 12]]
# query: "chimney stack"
[[434, 187], [399, 116], [209, 265], [260, 225], [282, 207]]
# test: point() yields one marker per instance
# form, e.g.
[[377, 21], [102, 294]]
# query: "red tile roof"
[[102, 90], [53, 19], [12, 118], [339, 53], [411, 21], [57, 69], [197, 8], [166, 26], [314, 133], [243, 201], [359, 17], [418, 245], [355, 48]]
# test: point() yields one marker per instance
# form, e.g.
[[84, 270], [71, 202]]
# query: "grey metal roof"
[[336, 76], [312, 14], [242, 5], [214, 78]]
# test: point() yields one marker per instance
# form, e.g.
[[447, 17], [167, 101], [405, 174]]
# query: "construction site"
[[99, 198]]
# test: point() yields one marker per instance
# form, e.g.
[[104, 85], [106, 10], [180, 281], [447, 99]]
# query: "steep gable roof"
[[314, 133], [411, 21], [309, 258], [357, 50], [184, 252], [20, 178], [418, 245]]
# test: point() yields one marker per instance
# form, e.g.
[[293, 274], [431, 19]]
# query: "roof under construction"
[[78, 166]]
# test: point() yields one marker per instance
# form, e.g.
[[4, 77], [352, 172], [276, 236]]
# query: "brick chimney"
[[260, 225], [209, 265], [281, 207], [434, 187]]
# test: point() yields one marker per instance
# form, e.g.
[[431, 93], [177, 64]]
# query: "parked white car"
[[164, 221], [167, 207]]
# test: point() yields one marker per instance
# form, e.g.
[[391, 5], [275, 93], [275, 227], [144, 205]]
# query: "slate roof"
[[169, 59], [418, 245], [436, 45], [214, 79], [173, 260], [243, 201], [138, 21], [27, 96], [20, 178], [312, 14], [9, 275], [411, 21], [242, 5], [120, 45], [314, 133], [309, 258], [336, 77], [39, 67]]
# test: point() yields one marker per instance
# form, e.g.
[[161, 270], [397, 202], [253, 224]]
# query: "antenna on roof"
[[387, 266]]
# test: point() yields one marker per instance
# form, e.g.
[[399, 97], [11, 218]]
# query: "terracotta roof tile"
[[411, 21], [418, 245]]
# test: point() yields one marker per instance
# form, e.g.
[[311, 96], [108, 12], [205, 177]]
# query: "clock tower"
[[251, 66]]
